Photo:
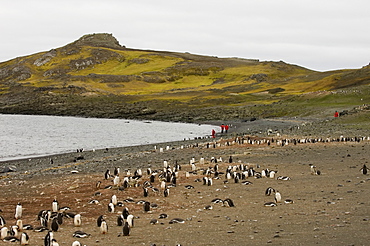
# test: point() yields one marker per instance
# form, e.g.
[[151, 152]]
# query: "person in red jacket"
[[336, 114], [222, 128], [213, 133], [226, 128]]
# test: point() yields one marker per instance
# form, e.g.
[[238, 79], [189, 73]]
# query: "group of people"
[[224, 128]]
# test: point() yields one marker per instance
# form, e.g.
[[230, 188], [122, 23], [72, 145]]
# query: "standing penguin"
[[277, 196], [130, 220], [77, 220], [54, 224], [104, 227], [18, 211], [364, 169], [24, 239], [99, 220], [146, 206], [48, 239], [126, 229], [55, 206], [2, 221]]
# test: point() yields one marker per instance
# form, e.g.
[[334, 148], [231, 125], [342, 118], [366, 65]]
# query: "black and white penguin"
[[48, 239], [76, 243], [228, 202], [80, 234], [146, 206], [126, 229], [125, 212], [277, 197], [18, 211], [24, 239], [145, 192], [270, 204], [2, 221], [364, 169], [130, 220], [54, 224], [99, 220], [104, 227], [4, 232], [55, 206], [269, 190], [77, 220], [11, 239], [54, 242], [177, 220], [120, 220], [107, 174], [166, 192], [110, 208]]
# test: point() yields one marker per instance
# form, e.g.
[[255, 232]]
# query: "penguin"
[[18, 211], [77, 220], [104, 227], [277, 197], [146, 206], [54, 224], [80, 234], [2, 221], [40, 229], [177, 220], [48, 239], [99, 220], [162, 216], [54, 242], [116, 171], [166, 192], [130, 220], [97, 185], [55, 206], [19, 223], [120, 220], [11, 239], [125, 213], [114, 200], [14, 231], [60, 218], [116, 180], [268, 191], [270, 204], [228, 202], [153, 221], [146, 193], [126, 229], [76, 243], [364, 169], [24, 239], [107, 174], [4, 232], [110, 208]]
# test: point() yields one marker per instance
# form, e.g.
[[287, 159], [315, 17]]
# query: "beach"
[[331, 208]]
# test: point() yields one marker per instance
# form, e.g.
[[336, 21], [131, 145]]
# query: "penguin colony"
[[157, 183]]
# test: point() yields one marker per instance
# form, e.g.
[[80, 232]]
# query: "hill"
[[95, 76]]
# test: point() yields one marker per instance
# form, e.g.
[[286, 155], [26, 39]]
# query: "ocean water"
[[23, 136]]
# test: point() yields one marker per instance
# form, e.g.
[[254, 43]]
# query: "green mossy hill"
[[95, 76]]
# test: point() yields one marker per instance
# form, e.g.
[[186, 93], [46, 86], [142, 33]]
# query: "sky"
[[317, 34]]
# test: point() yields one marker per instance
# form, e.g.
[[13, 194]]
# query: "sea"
[[26, 136]]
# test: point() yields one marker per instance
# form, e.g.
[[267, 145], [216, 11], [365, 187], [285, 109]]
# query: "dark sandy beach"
[[328, 209]]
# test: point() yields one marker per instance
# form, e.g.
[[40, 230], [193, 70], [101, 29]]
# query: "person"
[[222, 128], [226, 128], [336, 114], [213, 133]]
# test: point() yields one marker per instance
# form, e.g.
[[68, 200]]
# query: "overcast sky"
[[317, 34]]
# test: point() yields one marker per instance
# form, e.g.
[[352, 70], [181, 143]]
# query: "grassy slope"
[[133, 83]]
